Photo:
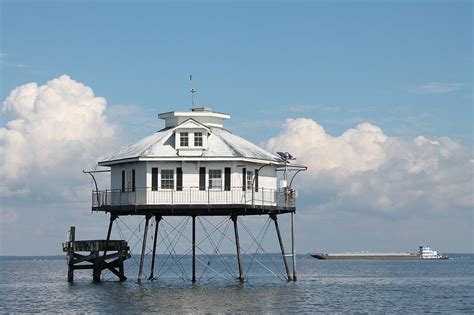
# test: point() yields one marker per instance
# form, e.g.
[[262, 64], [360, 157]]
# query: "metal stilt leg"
[[237, 244], [140, 270], [293, 250], [274, 218], [194, 249], [157, 222]]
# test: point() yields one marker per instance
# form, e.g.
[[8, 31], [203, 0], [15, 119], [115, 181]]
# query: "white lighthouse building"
[[194, 162], [196, 167]]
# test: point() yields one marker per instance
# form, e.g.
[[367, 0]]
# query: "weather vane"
[[193, 91]]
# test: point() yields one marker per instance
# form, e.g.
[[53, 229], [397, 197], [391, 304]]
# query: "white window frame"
[[128, 180], [167, 179], [249, 179], [218, 185], [184, 138], [198, 136]]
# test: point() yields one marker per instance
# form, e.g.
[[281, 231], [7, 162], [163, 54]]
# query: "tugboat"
[[427, 253]]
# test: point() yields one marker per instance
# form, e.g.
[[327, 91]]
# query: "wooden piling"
[[70, 251]]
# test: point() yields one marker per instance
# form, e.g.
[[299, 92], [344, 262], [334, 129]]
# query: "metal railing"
[[193, 196]]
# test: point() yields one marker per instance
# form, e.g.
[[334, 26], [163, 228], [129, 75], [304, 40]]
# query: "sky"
[[374, 96]]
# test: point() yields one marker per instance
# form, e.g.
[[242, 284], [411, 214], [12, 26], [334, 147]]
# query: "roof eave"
[[195, 114], [191, 159]]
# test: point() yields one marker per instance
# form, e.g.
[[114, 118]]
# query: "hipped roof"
[[222, 144]]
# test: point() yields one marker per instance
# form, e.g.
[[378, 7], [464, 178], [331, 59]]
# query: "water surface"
[[39, 285]]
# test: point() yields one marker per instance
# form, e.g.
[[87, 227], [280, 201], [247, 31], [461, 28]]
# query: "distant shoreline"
[[10, 258]]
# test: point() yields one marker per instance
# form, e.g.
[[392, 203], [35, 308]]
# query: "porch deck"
[[194, 201]]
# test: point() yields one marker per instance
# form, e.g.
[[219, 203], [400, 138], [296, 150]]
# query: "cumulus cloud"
[[358, 149], [53, 131], [367, 172]]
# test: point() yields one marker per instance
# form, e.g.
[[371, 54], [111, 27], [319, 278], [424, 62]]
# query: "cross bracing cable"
[[259, 246], [216, 249]]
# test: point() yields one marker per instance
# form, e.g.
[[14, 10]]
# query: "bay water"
[[39, 284]]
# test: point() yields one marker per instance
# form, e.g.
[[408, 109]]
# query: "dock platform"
[[115, 252]]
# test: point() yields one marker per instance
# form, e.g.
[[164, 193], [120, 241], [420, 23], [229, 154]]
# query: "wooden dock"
[[115, 252]]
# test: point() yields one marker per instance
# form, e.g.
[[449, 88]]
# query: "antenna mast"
[[193, 91]]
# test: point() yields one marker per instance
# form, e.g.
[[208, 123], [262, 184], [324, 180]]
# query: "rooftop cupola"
[[203, 115]]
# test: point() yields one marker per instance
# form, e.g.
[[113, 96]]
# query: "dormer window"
[[191, 138], [183, 139], [198, 139]]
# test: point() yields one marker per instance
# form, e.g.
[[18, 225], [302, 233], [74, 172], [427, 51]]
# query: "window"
[[183, 139], [128, 180], [167, 179], [154, 178], [249, 179], [215, 179], [198, 139]]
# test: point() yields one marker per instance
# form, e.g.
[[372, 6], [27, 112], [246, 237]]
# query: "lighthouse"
[[195, 167]]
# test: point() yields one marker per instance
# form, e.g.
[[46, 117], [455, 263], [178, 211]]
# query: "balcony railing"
[[193, 196]]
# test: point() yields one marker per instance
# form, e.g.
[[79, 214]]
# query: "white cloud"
[[364, 171], [356, 150], [439, 87], [53, 132]]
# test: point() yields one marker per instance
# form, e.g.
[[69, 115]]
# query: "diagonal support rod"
[[274, 218]]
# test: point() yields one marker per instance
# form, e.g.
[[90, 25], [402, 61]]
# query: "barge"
[[425, 252]]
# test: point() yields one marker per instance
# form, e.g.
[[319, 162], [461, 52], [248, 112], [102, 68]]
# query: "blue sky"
[[403, 66], [359, 60]]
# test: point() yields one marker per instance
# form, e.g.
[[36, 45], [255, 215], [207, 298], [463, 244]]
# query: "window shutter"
[[154, 178], [256, 180], [227, 178], [123, 181], [133, 180], [179, 179], [202, 178], [244, 179]]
